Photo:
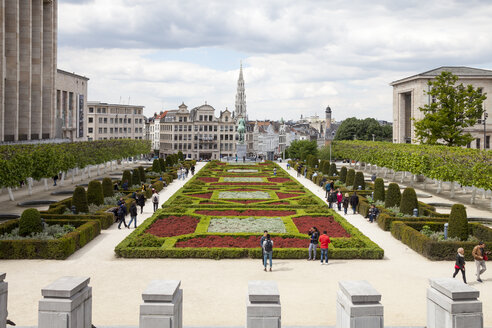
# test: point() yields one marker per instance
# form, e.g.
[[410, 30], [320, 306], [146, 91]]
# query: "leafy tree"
[[302, 148], [30, 222], [79, 200], [333, 170], [455, 108], [458, 222], [393, 196], [379, 189], [169, 161], [95, 193], [408, 201], [180, 156], [107, 185], [363, 129]]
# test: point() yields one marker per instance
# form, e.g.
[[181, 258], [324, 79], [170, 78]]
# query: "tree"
[[107, 185], [408, 201], [135, 177], [302, 148], [79, 200], [95, 193], [343, 174], [379, 190], [458, 222], [30, 222], [349, 178], [364, 130], [162, 163], [393, 196], [156, 166], [127, 177], [141, 172], [359, 181], [454, 108]]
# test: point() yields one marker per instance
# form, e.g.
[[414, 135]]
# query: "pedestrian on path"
[[193, 170], [274, 171], [187, 171], [354, 201], [327, 188], [299, 168], [373, 213], [155, 200], [313, 232], [262, 239], [480, 256], [267, 251], [346, 201], [324, 240], [55, 178], [339, 199], [305, 172], [133, 214], [141, 202], [332, 198], [121, 216], [460, 264]]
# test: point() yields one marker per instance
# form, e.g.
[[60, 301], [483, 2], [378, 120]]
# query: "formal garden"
[[224, 209]]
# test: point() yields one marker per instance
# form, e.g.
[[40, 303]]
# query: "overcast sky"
[[298, 56]]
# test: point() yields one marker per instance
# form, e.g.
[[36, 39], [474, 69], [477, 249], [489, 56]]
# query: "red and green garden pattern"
[[222, 212]]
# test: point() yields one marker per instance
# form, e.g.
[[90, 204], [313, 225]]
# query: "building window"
[[110, 130], [100, 130], [111, 120], [105, 120], [91, 130], [105, 130], [91, 120], [487, 142], [210, 118], [201, 117], [227, 118], [130, 121], [478, 143], [91, 109], [98, 110]]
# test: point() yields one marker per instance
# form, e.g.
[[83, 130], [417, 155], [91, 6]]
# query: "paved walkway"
[[215, 291]]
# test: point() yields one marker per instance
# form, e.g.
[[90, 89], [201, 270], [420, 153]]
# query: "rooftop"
[[460, 71]]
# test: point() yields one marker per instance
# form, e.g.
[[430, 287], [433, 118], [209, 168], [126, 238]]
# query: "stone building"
[[410, 93], [115, 121], [28, 52], [71, 106]]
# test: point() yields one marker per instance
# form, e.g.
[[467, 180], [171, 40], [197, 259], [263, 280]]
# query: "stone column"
[[2, 55], [453, 304], [358, 305], [37, 70], [4, 288], [49, 68], [67, 303], [163, 305], [11, 93], [25, 61], [263, 306]]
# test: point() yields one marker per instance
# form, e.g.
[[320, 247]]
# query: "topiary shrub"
[[359, 181], [343, 174], [30, 222], [458, 222], [162, 163], [127, 176], [95, 193], [79, 200], [107, 185], [349, 180], [135, 177], [141, 172], [333, 170], [156, 166], [379, 190], [408, 201], [393, 196]]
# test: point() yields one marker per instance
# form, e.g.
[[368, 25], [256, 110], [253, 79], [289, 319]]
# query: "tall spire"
[[240, 110]]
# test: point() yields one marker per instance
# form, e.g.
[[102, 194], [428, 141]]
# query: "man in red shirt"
[[324, 240]]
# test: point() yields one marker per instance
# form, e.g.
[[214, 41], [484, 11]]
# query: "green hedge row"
[[385, 220]]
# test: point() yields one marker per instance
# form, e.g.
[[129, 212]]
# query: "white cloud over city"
[[298, 56]]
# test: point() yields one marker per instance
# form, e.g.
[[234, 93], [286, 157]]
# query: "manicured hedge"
[[386, 220], [105, 219]]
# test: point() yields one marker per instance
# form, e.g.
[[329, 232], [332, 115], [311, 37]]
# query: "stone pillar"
[[25, 62], [37, 70], [11, 92], [49, 68], [4, 288], [453, 304], [263, 305], [2, 69], [163, 305], [358, 305], [67, 303]]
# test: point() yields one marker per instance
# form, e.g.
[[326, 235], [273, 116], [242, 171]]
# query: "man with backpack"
[[263, 238], [155, 201], [267, 251]]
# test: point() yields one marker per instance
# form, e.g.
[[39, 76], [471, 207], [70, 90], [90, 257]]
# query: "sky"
[[298, 56]]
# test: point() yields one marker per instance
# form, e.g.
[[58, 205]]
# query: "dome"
[[328, 110]]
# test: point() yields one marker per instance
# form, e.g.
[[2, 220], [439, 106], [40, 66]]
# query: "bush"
[[349, 180], [141, 172], [393, 196], [325, 166], [95, 193], [333, 170], [458, 222], [79, 200], [107, 186], [156, 166], [343, 174], [359, 181], [127, 177], [30, 222], [408, 201], [136, 177], [162, 163], [379, 190]]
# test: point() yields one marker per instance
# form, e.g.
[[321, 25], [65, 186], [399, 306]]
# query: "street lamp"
[[485, 115]]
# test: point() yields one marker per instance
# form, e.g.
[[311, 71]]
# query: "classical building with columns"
[[410, 93], [28, 50]]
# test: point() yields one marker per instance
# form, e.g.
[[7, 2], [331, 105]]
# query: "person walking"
[[55, 178], [313, 232], [332, 198], [274, 171], [155, 200], [305, 172], [327, 189], [324, 240], [346, 201], [133, 214], [460, 264], [121, 216], [299, 170], [267, 251], [354, 201], [339, 199], [187, 171], [480, 256], [193, 170], [262, 239], [141, 202], [373, 213]]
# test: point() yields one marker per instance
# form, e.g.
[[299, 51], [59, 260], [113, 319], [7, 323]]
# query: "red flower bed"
[[241, 242], [205, 196], [173, 226], [206, 179], [245, 213], [279, 180], [282, 195], [243, 184], [327, 223]]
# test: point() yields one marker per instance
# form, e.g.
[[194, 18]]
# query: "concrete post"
[[263, 305], [4, 288], [163, 305], [358, 305], [453, 304], [67, 303]]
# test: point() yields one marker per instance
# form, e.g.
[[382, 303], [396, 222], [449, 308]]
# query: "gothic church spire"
[[240, 110]]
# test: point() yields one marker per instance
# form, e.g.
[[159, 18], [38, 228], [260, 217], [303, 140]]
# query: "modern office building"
[[410, 93], [28, 52], [114, 121]]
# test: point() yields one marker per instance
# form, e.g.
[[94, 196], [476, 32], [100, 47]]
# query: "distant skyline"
[[298, 56]]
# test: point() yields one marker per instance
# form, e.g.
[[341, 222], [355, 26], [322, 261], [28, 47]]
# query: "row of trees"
[[37, 161]]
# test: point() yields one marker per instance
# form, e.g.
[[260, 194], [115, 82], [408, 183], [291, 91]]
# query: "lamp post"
[[485, 115]]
